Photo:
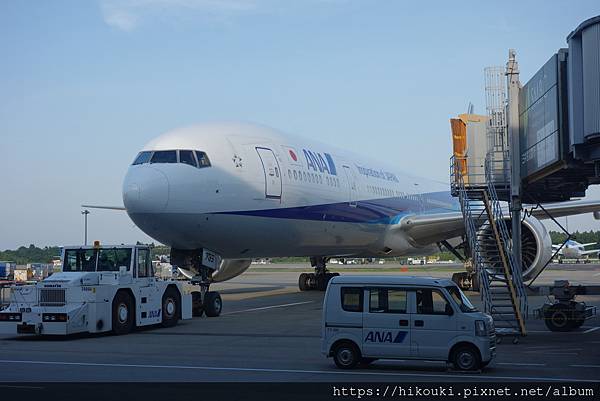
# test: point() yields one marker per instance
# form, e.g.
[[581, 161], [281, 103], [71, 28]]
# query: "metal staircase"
[[500, 278]]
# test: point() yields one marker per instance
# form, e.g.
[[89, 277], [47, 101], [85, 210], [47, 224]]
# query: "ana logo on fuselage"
[[315, 161]]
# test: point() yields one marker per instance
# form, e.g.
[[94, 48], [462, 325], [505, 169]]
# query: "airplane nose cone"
[[145, 190]]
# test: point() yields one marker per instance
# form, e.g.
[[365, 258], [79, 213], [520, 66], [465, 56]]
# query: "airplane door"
[[272, 173], [352, 196]]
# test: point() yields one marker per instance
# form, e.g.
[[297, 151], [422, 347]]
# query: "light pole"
[[85, 215]]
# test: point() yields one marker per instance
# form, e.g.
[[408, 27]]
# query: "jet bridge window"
[[164, 156]]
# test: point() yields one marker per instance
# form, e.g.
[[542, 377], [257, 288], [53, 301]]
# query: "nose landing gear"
[[317, 280], [203, 301]]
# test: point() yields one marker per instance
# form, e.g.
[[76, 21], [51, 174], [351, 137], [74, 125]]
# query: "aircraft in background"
[[223, 194], [575, 250]]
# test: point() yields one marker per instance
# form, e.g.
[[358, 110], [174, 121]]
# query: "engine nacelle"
[[230, 268], [536, 245], [187, 263]]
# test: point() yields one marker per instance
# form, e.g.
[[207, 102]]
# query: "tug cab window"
[[112, 259], [144, 266], [164, 156], [80, 260]]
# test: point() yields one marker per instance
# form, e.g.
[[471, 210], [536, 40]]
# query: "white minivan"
[[366, 318]]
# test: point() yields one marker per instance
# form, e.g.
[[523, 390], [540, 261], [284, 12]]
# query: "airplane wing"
[[104, 207], [595, 251], [589, 244], [425, 229]]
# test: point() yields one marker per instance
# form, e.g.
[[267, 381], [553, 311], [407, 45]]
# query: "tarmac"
[[270, 331]]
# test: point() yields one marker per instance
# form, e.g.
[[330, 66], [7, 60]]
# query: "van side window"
[[352, 299], [430, 302], [387, 300]]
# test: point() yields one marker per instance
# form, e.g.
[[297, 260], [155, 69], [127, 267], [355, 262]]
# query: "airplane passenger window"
[[142, 158], [187, 157], [202, 159], [164, 156]]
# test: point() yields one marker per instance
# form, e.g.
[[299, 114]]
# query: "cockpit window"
[[164, 156], [143, 157], [202, 159], [193, 158], [187, 157]]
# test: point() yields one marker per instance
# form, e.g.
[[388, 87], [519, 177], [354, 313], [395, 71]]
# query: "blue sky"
[[85, 84]]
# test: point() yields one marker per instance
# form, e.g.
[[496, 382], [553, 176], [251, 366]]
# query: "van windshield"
[[461, 299]]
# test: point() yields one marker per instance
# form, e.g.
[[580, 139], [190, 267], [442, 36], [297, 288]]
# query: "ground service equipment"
[[100, 289]]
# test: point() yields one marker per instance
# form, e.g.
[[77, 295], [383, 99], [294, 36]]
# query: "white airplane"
[[575, 250], [245, 191]]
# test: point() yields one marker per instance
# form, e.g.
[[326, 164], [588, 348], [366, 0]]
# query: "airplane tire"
[[123, 313], [213, 304], [197, 307], [170, 308], [321, 282], [303, 282]]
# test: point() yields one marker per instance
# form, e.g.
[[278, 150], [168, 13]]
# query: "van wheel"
[[170, 308], [466, 357], [346, 356], [212, 304], [122, 313]]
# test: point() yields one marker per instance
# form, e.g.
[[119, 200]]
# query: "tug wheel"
[[170, 307], [123, 313]]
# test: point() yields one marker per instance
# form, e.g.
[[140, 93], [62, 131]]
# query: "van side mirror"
[[449, 311]]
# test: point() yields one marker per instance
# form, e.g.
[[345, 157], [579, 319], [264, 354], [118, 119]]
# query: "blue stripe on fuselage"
[[373, 211]]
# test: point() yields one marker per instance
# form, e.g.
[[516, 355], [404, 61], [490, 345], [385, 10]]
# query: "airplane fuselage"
[[250, 191]]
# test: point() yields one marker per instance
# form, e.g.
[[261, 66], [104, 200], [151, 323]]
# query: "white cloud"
[[128, 14]]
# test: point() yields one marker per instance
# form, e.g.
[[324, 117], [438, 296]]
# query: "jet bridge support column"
[[512, 74]]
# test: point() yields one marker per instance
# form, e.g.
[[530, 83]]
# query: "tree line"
[[33, 254]]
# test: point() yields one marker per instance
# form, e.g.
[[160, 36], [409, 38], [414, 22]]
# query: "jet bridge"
[[537, 143]]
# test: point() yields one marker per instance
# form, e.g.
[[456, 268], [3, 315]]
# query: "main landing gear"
[[317, 280]]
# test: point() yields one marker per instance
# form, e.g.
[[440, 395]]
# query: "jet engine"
[[187, 262], [536, 245]]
